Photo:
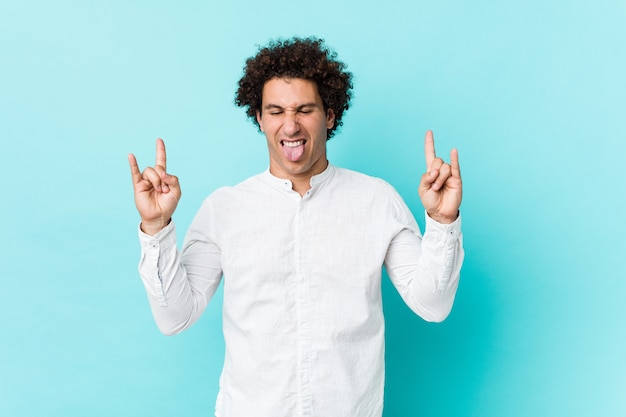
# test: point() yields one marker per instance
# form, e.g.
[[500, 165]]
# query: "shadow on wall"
[[430, 362]]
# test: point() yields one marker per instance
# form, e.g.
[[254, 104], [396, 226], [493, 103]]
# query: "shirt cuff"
[[166, 237], [453, 228]]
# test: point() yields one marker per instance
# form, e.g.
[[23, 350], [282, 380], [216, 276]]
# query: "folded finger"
[[152, 176], [444, 173], [435, 165]]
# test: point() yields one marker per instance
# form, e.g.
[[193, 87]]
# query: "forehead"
[[290, 92]]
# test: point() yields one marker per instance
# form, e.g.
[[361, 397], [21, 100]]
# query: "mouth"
[[292, 143], [293, 149]]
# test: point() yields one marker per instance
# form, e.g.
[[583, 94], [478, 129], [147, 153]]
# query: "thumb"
[[425, 183]]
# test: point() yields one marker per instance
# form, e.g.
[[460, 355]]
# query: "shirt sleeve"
[[425, 269], [179, 285]]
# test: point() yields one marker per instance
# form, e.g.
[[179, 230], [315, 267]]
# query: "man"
[[300, 248]]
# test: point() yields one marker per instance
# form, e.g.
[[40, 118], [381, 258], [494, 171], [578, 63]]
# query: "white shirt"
[[302, 312]]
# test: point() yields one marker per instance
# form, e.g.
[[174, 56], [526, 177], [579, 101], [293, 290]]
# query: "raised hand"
[[441, 188], [156, 192]]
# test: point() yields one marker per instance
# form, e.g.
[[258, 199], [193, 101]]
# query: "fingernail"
[[166, 188]]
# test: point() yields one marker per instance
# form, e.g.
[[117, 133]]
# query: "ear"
[[330, 119], [259, 120]]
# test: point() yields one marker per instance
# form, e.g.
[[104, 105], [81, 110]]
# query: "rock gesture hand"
[[441, 187], [156, 192]]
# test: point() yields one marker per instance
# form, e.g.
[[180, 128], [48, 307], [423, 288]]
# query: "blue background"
[[533, 94]]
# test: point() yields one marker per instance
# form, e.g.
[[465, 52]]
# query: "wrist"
[[154, 226], [443, 219]]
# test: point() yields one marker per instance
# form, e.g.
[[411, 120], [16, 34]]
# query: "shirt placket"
[[303, 310]]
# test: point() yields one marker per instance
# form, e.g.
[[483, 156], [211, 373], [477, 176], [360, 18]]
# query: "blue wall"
[[533, 94]]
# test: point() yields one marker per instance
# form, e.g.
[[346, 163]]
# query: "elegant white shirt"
[[302, 311]]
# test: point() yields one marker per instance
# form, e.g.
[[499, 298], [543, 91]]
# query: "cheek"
[[321, 128], [268, 128]]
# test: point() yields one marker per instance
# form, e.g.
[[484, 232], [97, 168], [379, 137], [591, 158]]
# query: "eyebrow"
[[271, 106]]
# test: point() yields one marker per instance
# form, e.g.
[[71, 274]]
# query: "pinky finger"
[[454, 163], [134, 168]]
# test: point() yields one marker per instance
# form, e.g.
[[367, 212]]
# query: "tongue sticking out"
[[293, 153]]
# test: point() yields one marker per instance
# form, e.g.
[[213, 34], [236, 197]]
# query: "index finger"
[[429, 149], [160, 154]]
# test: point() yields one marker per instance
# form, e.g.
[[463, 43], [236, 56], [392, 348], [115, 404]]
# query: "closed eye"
[[275, 110]]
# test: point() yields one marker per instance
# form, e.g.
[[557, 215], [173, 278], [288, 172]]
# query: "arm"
[[426, 270], [179, 285], [178, 289]]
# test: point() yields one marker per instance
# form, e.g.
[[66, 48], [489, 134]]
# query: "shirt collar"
[[285, 184]]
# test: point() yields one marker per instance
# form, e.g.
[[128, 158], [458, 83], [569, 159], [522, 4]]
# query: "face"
[[293, 120]]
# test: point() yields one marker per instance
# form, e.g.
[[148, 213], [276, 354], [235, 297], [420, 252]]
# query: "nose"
[[291, 125]]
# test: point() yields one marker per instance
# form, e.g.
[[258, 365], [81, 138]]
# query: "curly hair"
[[306, 58]]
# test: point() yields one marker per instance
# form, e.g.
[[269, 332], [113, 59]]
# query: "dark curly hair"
[[306, 58]]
